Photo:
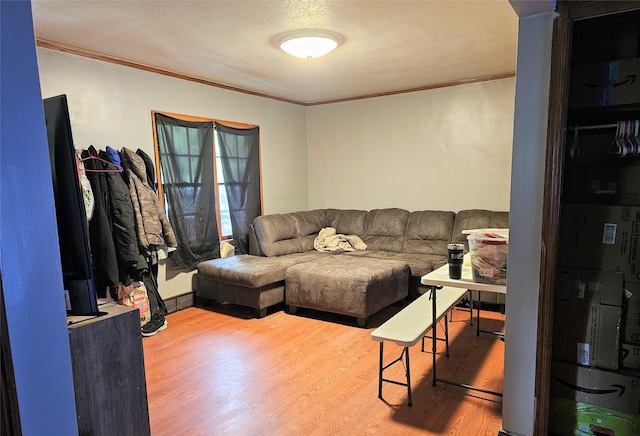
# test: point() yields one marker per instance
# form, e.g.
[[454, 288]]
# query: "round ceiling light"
[[309, 44]]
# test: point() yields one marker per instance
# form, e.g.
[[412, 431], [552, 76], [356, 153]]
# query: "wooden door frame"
[[567, 13]]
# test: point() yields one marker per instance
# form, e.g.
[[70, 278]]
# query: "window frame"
[[183, 117]]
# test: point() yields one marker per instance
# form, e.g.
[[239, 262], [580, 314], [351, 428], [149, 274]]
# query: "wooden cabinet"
[[584, 33], [108, 373]]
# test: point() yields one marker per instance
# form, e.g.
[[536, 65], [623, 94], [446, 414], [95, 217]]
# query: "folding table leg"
[[381, 379], [380, 371], [406, 349], [478, 317], [433, 331], [446, 335], [470, 308]]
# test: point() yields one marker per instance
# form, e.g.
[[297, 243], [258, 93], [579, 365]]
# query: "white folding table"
[[440, 278]]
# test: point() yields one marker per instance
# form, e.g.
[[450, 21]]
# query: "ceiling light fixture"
[[309, 44]]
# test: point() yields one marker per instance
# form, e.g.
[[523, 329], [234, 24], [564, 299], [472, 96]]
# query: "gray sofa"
[[402, 246]]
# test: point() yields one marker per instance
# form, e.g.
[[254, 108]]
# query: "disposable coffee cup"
[[455, 257]]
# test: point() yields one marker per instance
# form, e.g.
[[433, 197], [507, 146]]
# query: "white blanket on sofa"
[[328, 240]]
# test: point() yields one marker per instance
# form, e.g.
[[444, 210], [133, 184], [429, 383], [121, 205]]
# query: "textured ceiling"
[[389, 46]]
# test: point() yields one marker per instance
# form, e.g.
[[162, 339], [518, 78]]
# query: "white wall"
[[111, 105], [441, 149], [525, 243], [447, 148]]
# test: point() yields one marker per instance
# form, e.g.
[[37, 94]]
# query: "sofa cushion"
[[347, 222], [477, 219], [245, 270], [309, 222], [253, 271], [385, 229], [419, 264], [429, 232], [280, 234]]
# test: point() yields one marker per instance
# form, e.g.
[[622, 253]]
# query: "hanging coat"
[[114, 243], [123, 226], [151, 172], [152, 226], [103, 252]]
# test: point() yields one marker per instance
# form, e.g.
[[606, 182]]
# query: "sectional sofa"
[[283, 265]]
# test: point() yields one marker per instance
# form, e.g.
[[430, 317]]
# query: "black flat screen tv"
[[73, 234]]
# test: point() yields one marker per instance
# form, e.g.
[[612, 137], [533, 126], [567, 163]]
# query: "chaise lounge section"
[[283, 266], [246, 280]]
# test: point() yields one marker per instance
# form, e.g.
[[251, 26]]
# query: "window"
[[225, 216], [209, 173]]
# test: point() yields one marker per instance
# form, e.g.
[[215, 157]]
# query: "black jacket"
[[123, 226], [151, 172], [114, 245]]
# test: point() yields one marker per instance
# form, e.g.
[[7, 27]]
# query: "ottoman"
[[246, 280], [353, 286]]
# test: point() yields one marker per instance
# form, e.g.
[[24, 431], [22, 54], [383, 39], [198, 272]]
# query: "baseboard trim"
[[180, 302]]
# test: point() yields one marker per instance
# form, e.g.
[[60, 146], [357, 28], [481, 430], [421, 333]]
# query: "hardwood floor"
[[217, 370]]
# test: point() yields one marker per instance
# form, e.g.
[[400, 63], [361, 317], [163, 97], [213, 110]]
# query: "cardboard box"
[[599, 387], [588, 317], [575, 418], [632, 314], [630, 356], [605, 84], [601, 237], [597, 182]]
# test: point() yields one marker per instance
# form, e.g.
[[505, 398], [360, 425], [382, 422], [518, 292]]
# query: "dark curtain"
[[186, 164], [240, 156]]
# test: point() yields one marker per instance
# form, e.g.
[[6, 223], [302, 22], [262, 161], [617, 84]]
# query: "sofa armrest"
[[477, 219], [254, 246]]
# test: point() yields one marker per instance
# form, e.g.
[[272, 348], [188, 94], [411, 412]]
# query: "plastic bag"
[[135, 295]]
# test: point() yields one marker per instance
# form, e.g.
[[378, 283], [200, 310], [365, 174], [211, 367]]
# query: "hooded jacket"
[[151, 172], [121, 218], [152, 226], [114, 246]]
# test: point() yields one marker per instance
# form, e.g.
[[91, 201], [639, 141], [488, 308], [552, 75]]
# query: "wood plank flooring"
[[218, 370]]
